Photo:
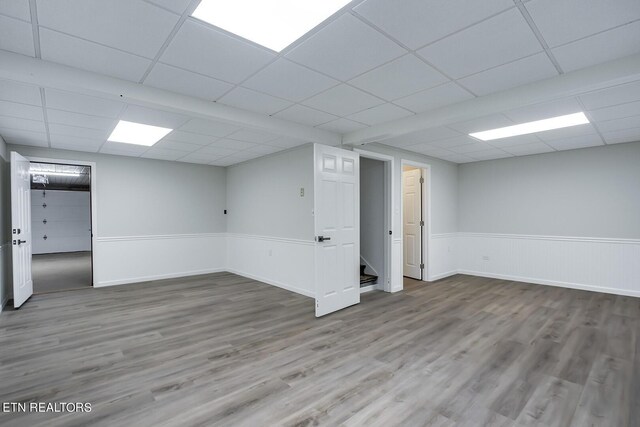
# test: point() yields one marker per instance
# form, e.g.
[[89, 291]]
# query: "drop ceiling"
[[374, 62]]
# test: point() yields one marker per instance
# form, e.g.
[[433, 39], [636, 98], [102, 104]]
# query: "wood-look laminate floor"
[[224, 350]]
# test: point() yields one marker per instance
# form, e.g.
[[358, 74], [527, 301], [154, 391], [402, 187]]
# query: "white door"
[[337, 227], [21, 229], [411, 223]]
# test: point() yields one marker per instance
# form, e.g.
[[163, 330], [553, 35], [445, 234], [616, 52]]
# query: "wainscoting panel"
[[442, 256], [131, 259], [602, 265], [286, 263]]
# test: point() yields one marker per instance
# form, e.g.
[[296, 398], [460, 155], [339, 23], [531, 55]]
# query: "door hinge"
[[421, 266], [421, 180], [421, 223]]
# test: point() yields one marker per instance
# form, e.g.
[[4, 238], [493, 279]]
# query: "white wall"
[[372, 229], [5, 225], [270, 225], [68, 221], [155, 219], [568, 218]]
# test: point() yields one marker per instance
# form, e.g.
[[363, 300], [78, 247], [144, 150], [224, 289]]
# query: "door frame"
[[94, 205], [388, 212], [426, 211]]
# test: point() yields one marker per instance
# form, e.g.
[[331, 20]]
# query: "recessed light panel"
[[274, 24], [137, 133], [533, 127]]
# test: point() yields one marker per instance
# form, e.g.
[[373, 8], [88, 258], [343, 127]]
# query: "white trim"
[[556, 238], [284, 286], [94, 202], [143, 279], [389, 184], [426, 206], [555, 283], [444, 235], [443, 275], [159, 237], [272, 239], [369, 288]]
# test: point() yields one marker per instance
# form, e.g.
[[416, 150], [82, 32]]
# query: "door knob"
[[18, 242], [322, 238]]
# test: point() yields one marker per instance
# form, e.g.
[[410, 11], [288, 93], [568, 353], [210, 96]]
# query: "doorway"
[[375, 221], [61, 224], [413, 222]]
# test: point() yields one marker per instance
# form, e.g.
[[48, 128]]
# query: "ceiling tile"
[[199, 158], [527, 149], [177, 6], [619, 124], [457, 158], [576, 142], [380, 114], [201, 48], [342, 125], [16, 36], [24, 137], [141, 28], [252, 136], [66, 142], [418, 22], [622, 136], [286, 142], [263, 150], [79, 132], [81, 120], [209, 127], [482, 123], [24, 111], [215, 150], [544, 110], [16, 9], [612, 96], [288, 80], [232, 144], [149, 116], [458, 141], [305, 115], [119, 148], [184, 147], [251, 100], [616, 112], [162, 154], [496, 41], [19, 92], [191, 138], [421, 137], [22, 124], [401, 77], [567, 20], [580, 130], [469, 147], [517, 73], [489, 154], [345, 48], [430, 99], [67, 50], [343, 100], [84, 104], [430, 150], [603, 47], [186, 82]]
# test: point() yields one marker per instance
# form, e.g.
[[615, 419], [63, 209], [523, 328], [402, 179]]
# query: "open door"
[[337, 227], [21, 229], [412, 223]]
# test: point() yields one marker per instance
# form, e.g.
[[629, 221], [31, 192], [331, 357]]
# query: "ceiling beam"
[[48, 74], [566, 85]]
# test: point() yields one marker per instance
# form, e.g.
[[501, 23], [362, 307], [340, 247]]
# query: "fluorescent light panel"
[[34, 172], [274, 24], [533, 127], [137, 133]]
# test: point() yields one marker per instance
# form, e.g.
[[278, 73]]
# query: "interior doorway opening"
[[414, 220], [375, 222], [61, 224]]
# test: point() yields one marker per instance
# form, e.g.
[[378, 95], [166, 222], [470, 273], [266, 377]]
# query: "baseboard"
[[558, 284], [439, 276], [274, 283], [157, 277]]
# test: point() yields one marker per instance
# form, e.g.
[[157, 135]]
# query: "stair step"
[[367, 278]]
